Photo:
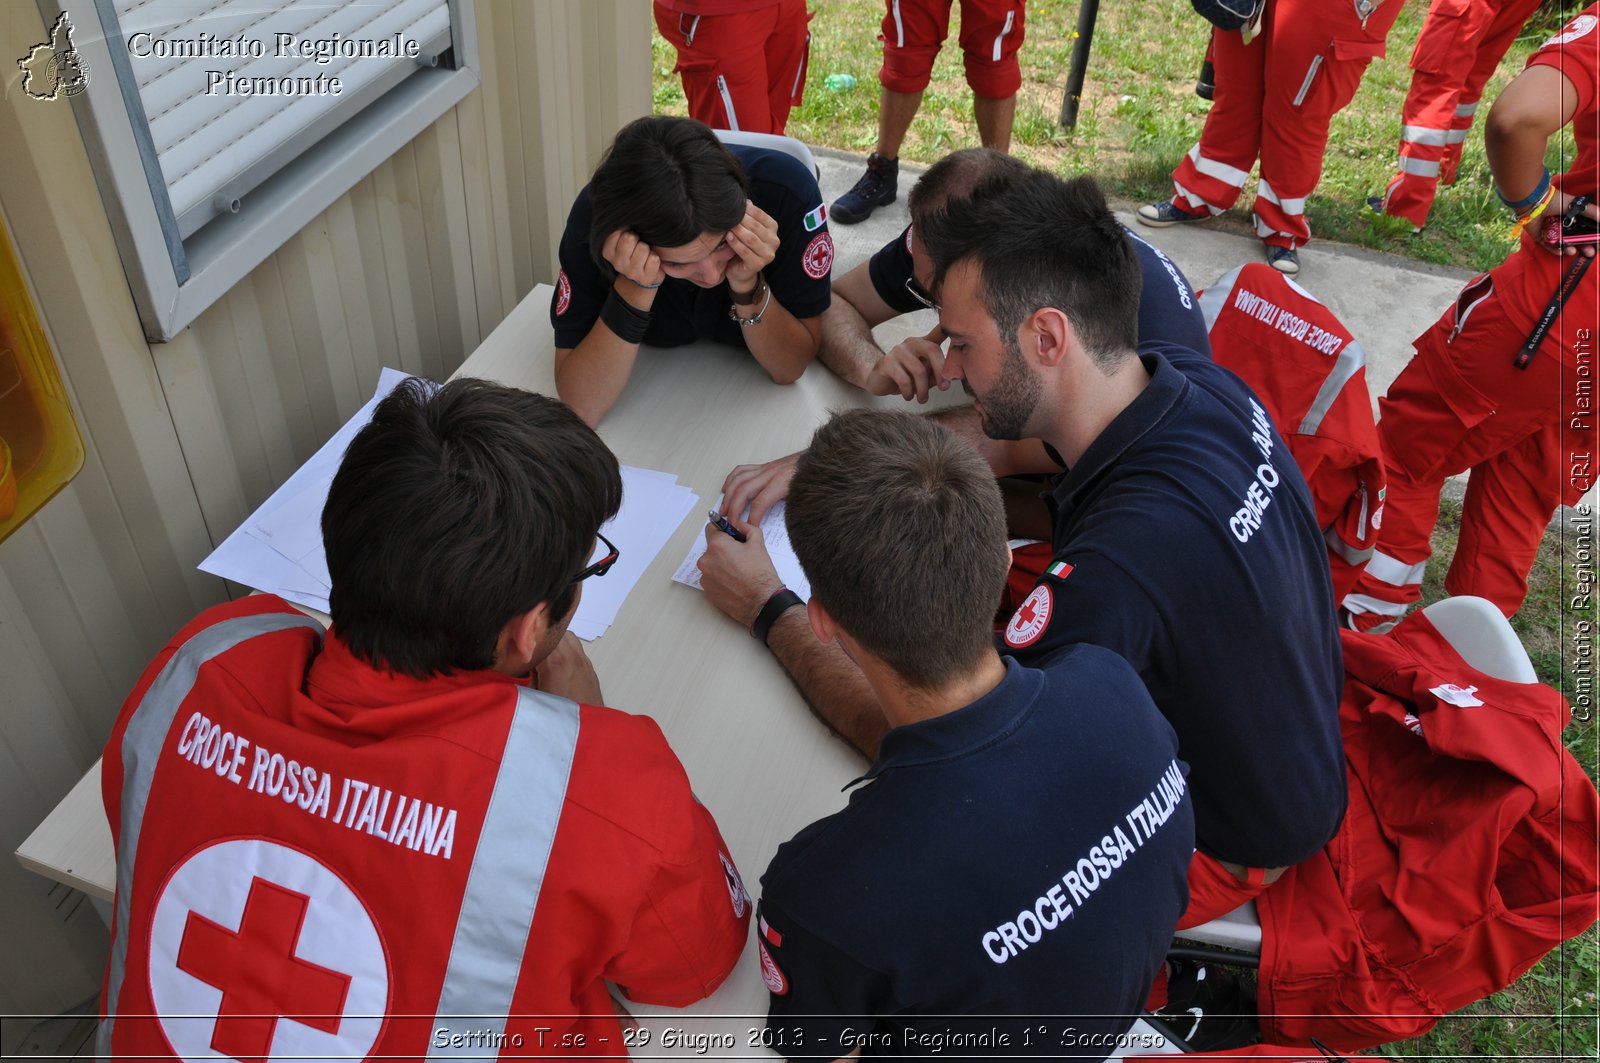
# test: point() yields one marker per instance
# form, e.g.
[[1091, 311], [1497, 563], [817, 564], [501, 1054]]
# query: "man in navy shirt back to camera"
[[1018, 848], [1183, 534]]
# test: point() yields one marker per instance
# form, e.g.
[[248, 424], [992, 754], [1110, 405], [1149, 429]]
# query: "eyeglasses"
[[919, 295], [602, 566]]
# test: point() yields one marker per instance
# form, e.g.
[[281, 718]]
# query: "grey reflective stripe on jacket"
[[1216, 296], [1351, 360], [141, 749], [507, 873]]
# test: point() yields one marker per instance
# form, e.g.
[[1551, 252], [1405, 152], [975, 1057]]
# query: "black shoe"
[[1209, 1007], [876, 188], [1283, 259]]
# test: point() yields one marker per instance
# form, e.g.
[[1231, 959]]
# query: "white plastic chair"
[[772, 142], [1485, 640]]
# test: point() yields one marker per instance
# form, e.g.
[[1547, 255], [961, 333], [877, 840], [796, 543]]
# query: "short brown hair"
[[454, 510], [962, 175], [900, 527], [1042, 241]]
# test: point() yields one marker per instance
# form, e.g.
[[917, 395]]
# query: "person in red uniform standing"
[[743, 62], [1461, 44], [912, 34], [1275, 97], [1489, 389], [384, 841]]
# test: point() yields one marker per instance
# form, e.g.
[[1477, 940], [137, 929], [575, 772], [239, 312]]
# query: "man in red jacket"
[[1502, 384], [384, 841]]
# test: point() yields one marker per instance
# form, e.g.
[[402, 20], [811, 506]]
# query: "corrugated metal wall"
[[411, 268]]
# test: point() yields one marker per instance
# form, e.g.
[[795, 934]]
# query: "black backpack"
[[1227, 14]]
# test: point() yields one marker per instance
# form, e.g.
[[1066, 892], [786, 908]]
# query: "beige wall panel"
[[349, 258], [483, 165], [328, 316], [435, 280], [440, 163], [375, 272], [265, 288], [271, 415]]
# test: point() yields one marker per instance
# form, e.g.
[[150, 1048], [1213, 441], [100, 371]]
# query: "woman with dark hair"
[[679, 238]]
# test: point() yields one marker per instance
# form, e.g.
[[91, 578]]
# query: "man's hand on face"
[[568, 673], [911, 370]]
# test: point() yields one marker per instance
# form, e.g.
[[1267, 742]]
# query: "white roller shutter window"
[[226, 142]]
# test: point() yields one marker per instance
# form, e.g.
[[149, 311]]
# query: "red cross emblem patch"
[[818, 256], [563, 293], [1029, 621], [261, 952]]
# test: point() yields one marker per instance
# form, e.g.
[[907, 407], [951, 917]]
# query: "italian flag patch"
[[1058, 569], [815, 219]]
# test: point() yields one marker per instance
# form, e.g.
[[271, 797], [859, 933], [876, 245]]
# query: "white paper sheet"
[[653, 506], [776, 534], [279, 547], [248, 558]]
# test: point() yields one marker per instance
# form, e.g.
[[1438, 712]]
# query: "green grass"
[[1137, 116]]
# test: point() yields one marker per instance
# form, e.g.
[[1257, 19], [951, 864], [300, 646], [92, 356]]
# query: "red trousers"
[[991, 34], [1528, 435], [742, 71], [1274, 100], [1461, 44]]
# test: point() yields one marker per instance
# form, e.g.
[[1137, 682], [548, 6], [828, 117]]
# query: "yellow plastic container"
[[41, 449]]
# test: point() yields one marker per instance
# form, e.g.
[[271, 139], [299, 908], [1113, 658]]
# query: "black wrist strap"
[[627, 321], [782, 600]]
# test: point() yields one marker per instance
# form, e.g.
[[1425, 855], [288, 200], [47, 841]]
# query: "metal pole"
[[1079, 65]]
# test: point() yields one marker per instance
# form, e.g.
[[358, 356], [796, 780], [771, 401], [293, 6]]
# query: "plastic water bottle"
[[840, 82]]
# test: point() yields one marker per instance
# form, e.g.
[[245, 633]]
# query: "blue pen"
[[722, 522]]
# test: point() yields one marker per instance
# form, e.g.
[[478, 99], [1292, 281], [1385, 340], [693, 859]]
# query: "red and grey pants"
[[991, 34], [741, 71], [1527, 435], [1275, 98], [1461, 45]]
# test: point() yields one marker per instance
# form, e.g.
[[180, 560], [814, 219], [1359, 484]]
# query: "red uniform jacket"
[[1469, 851], [1311, 375], [319, 859]]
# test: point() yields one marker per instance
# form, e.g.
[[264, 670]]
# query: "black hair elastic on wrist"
[[628, 322], [782, 600]]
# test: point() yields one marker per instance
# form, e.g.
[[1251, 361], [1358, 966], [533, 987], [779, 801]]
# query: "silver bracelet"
[[753, 319]]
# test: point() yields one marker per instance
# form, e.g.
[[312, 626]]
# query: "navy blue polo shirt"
[[1026, 855], [683, 311], [1168, 309], [1185, 540]]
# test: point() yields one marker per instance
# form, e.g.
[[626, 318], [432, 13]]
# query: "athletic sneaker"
[[1209, 1007], [875, 188], [1161, 215], [1283, 259]]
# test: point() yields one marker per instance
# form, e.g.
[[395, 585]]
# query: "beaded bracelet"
[[1524, 219]]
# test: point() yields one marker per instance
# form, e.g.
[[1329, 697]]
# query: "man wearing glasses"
[[418, 832], [895, 280]]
